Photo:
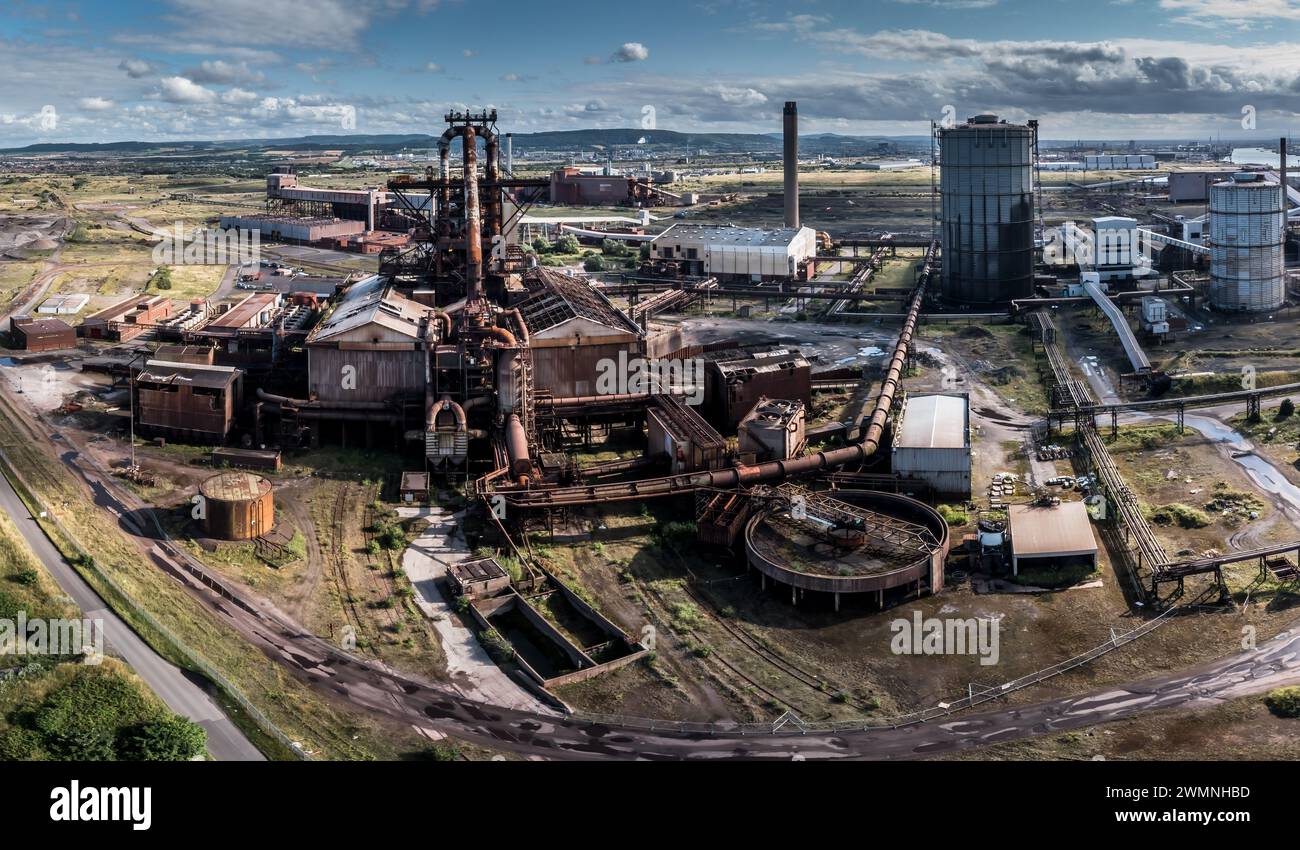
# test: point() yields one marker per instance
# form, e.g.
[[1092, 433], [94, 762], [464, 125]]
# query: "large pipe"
[[778, 469], [510, 154], [473, 220], [790, 126], [492, 170], [517, 448], [316, 404]]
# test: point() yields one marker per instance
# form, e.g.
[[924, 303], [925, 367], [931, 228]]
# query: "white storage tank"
[[1247, 230]]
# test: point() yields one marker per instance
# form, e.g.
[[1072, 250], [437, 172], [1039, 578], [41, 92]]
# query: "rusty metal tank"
[[237, 505]]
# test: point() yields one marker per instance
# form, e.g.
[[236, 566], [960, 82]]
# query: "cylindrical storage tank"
[[237, 505], [987, 220], [1247, 231]]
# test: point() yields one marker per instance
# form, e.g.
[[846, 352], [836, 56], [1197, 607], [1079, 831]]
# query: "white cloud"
[[136, 68], [184, 90], [223, 73], [631, 51], [95, 104]]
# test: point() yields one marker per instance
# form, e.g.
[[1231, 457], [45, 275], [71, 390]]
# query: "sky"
[[213, 69]]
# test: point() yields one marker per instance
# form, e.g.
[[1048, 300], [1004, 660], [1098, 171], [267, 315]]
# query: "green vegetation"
[[1227, 500], [1146, 437], [1183, 516], [161, 280], [1284, 702], [497, 646], [954, 515]]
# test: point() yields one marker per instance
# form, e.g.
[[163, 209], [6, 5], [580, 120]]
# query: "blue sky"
[[186, 69]]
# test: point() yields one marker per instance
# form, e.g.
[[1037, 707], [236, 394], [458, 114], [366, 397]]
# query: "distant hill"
[[658, 140]]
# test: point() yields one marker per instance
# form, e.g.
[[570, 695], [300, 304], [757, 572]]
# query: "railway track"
[[342, 583]]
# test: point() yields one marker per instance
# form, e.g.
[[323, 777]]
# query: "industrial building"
[[477, 578], [1247, 232], [738, 253], [773, 430], [987, 210], [1119, 162], [370, 348], [572, 329], [305, 229], [1051, 535], [676, 430], [1193, 187], [63, 305], [932, 443], [186, 401], [237, 506], [127, 319], [736, 380], [42, 334]]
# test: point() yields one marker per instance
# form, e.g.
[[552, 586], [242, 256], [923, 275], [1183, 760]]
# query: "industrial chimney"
[[790, 126]]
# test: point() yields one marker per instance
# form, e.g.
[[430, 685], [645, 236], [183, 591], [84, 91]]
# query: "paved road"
[[183, 693]]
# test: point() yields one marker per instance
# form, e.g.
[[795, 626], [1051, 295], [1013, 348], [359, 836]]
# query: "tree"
[[162, 279], [541, 246], [568, 244], [1286, 408], [172, 738], [594, 263]]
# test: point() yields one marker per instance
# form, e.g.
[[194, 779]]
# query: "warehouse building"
[[739, 253], [186, 401], [370, 348], [64, 305], [42, 334], [932, 443], [1048, 535], [1193, 187], [1119, 162], [573, 330]]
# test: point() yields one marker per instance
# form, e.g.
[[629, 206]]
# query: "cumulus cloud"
[[184, 90], [136, 68], [223, 73], [95, 104], [630, 51]]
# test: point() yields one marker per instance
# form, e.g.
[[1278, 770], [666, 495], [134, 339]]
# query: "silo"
[[987, 189], [237, 505], [1247, 230]]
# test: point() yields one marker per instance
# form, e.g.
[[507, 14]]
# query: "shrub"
[[954, 515], [594, 263], [1285, 409], [1184, 516], [168, 739], [497, 646], [1284, 702]]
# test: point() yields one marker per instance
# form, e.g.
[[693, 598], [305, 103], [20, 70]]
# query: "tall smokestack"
[[1286, 187], [790, 125]]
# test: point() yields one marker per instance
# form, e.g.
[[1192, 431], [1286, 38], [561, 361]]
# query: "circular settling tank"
[[855, 541], [237, 505]]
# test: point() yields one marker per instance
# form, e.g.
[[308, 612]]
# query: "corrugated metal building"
[[186, 400], [370, 348], [42, 334], [932, 442], [1051, 535], [572, 330], [674, 428], [1193, 187], [750, 253]]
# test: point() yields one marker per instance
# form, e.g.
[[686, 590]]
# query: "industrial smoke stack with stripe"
[[791, 130]]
